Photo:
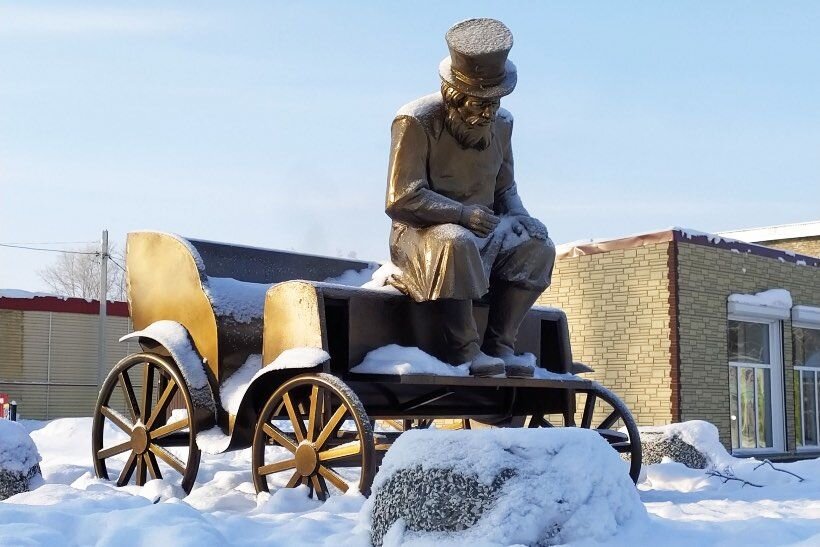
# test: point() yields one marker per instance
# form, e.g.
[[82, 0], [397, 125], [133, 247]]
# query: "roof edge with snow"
[[685, 235], [796, 230]]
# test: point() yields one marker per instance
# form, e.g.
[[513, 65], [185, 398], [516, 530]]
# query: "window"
[[755, 384], [806, 377]]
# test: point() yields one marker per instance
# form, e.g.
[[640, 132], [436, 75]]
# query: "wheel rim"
[[146, 433], [315, 407], [605, 413]]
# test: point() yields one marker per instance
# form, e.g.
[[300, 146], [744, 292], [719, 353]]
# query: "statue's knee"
[[538, 250], [457, 238]]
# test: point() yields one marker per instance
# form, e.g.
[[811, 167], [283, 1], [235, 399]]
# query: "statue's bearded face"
[[472, 120]]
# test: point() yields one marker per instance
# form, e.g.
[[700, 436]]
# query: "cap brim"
[[491, 92]]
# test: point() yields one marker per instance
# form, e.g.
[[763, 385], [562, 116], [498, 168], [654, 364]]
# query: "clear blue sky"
[[267, 123]]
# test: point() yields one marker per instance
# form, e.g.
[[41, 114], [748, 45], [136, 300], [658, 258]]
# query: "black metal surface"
[[267, 265]]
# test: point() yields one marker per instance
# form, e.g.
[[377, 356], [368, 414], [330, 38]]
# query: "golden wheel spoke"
[[151, 463], [276, 434], [162, 403], [129, 395], [313, 413], [296, 420], [277, 467], [125, 474], [168, 458], [140, 470], [118, 419], [295, 479], [334, 478], [330, 427], [114, 450], [167, 429], [147, 389], [319, 486], [343, 451]]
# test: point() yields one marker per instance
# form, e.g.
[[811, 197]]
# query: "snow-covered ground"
[[686, 507]]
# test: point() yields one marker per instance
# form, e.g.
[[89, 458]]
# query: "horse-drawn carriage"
[[204, 312]]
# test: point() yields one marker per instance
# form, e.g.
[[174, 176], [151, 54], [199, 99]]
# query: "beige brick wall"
[[707, 276], [617, 304], [803, 245]]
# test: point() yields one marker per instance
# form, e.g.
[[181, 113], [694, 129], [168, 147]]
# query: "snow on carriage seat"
[[372, 278], [395, 359], [402, 360], [241, 300]]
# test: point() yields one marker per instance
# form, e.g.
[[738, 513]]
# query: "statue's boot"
[[508, 306], [460, 337]]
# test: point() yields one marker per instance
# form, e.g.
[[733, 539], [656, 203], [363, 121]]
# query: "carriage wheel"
[[150, 431], [602, 407], [320, 411]]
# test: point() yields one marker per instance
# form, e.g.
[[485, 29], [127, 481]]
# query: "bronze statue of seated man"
[[459, 229]]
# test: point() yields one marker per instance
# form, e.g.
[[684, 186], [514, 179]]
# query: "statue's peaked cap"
[[478, 64]]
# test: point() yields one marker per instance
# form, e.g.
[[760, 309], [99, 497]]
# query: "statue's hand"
[[532, 226], [478, 219]]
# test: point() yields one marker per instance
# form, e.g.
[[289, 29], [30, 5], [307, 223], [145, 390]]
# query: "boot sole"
[[483, 372]]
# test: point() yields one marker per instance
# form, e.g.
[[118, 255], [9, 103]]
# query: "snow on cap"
[[478, 64]]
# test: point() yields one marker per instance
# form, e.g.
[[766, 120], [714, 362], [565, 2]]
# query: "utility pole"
[[103, 302]]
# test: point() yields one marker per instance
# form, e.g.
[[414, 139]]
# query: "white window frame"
[[775, 368], [808, 317]]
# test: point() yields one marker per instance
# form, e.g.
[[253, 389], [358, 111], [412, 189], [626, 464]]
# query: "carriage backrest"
[[215, 290]]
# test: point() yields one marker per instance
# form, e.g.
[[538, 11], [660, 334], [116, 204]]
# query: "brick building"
[[652, 314], [48, 352]]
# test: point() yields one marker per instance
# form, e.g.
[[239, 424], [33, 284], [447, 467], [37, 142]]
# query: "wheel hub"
[[306, 458], [139, 439]]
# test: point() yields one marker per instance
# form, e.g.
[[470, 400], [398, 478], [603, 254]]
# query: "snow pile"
[[395, 359], [686, 506], [174, 337], [702, 435], [241, 300], [548, 486], [17, 451], [773, 298], [354, 278], [18, 459]]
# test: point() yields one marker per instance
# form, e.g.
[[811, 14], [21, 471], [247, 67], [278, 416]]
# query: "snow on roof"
[[772, 233], [19, 293], [675, 233]]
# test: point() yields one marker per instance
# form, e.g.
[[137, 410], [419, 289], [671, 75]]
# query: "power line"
[[117, 264], [50, 242], [49, 250]]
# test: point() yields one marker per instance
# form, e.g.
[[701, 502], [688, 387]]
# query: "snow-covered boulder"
[[694, 443], [500, 486], [19, 459]]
